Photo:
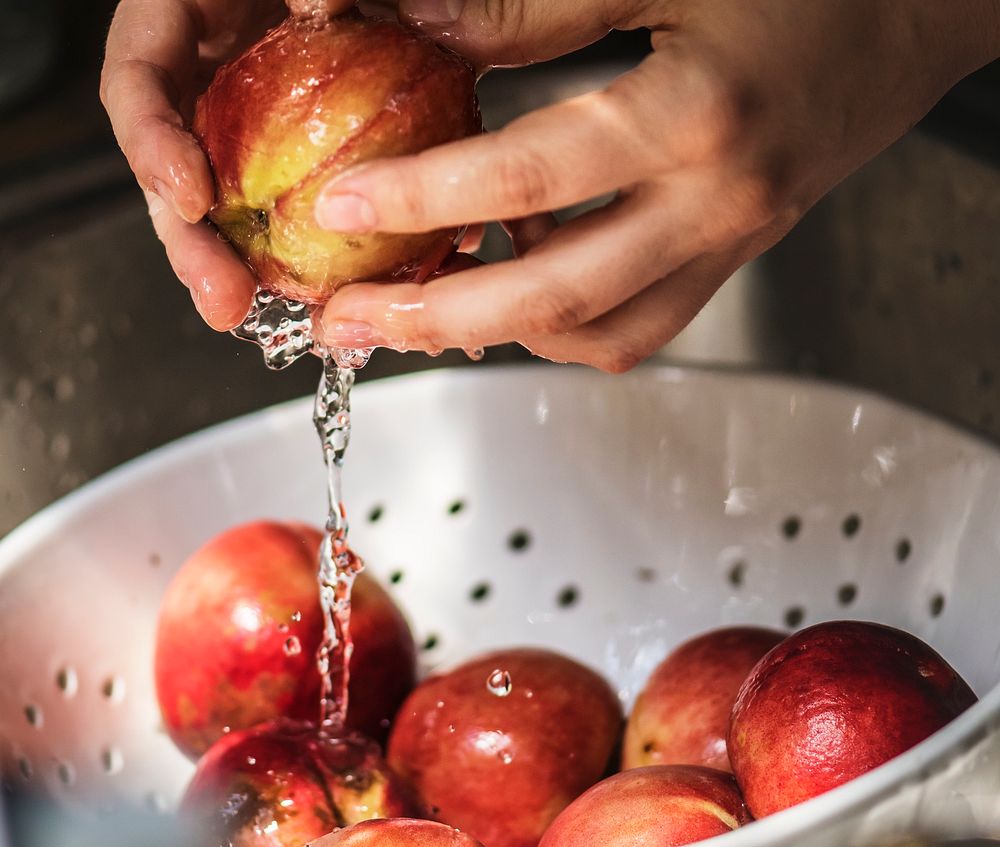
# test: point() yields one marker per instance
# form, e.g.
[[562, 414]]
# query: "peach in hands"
[[833, 702], [313, 98], [665, 805], [238, 632], [502, 766], [682, 714]]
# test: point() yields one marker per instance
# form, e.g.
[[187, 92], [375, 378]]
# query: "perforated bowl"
[[606, 517]]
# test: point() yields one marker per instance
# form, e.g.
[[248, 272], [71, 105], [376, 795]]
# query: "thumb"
[[515, 32]]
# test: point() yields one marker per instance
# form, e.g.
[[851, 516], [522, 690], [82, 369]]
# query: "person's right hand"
[[161, 55]]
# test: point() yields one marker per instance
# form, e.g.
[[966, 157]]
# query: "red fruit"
[[665, 806], [502, 767], [682, 715], [832, 702], [283, 784], [310, 100], [400, 832], [238, 632]]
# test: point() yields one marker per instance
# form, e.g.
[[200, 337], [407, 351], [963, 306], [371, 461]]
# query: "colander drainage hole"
[[66, 773], [851, 525], [396, 577], [903, 550], [519, 541], [112, 760], [568, 597], [456, 506], [113, 689], [156, 802], [737, 574], [67, 681], [480, 592], [847, 594], [937, 605], [791, 527], [375, 513], [430, 642], [34, 715], [645, 575], [155, 560], [794, 616]]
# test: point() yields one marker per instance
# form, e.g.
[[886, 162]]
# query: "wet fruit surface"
[[238, 632], [831, 703], [307, 102], [501, 761], [283, 784]]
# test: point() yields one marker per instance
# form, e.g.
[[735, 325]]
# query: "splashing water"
[[338, 566]]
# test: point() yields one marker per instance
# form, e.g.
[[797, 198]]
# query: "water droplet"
[[477, 354], [499, 683], [297, 617], [292, 646], [282, 627], [506, 757], [251, 761]]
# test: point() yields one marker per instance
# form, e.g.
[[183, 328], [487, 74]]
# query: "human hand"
[[743, 117], [161, 55]]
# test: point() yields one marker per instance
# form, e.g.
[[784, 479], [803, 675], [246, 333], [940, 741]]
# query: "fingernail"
[[155, 203], [345, 213], [165, 194], [434, 12], [338, 333]]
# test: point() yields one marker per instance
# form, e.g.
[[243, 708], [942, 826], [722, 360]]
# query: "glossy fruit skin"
[[307, 102], [662, 805], [398, 832], [501, 768], [832, 702], [221, 657], [682, 715], [282, 784]]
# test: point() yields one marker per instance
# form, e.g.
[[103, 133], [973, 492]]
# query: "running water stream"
[[283, 330]]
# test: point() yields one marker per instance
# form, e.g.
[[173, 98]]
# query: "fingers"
[[622, 338], [221, 286], [152, 53], [667, 113], [577, 273], [619, 340], [516, 32]]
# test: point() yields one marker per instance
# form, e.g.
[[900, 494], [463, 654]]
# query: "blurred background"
[[892, 282]]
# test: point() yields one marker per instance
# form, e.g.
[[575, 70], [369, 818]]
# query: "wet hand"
[[741, 118]]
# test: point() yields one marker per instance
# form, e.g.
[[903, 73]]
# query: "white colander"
[[606, 517]]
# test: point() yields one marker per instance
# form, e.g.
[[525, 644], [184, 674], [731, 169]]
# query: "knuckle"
[[506, 17], [548, 309], [723, 112], [522, 184]]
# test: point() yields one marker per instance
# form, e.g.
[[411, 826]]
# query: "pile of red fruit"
[[515, 748]]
